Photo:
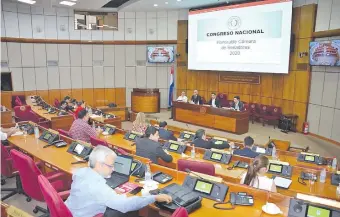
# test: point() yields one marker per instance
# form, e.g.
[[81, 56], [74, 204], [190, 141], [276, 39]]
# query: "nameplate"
[[318, 200], [221, 139], [220, 151], [15, 212], [245, 78], [278, 162], [311, 154], [207, 177]]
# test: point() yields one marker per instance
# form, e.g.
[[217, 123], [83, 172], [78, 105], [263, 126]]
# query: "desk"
[[216, 118], [57, 122], [145, 100], [6, 117], [121, 112], [113, 121]]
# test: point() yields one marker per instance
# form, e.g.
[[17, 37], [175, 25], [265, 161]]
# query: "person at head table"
[[202, 142], [256, 175], [247, 151], [80, 129], [149, 147], [164, 133], [214, 102], [139, 125], [182, 97], [237, 104], [196, 99], [90, 195]]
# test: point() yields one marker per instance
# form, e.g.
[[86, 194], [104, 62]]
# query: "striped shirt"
[[81, 130]]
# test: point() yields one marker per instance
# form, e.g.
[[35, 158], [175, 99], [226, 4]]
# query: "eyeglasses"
[[110, 166]]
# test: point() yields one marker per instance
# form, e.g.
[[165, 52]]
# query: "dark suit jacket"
[[217, 102], [198, 99], [240, 105], [166, 135], [150, 149], [246, 152], [200, 143]]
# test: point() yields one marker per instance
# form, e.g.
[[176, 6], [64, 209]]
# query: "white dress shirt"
[[182, 98], [213, 103], [3, 135]]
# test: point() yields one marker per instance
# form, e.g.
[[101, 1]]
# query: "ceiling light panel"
[[27, 1], [67, 3]]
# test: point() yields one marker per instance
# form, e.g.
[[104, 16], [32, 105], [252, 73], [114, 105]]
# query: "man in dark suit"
[[237, 104], [196, 99], [149, 147], [202, 142], [214, 102], [246, 151], [164, 133]]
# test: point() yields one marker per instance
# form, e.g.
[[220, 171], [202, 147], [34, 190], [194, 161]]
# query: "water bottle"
[[17, 126], [90, 111], [36, 132], [148, 175], [93, 125], [323, 176], [334, 163], [193, 154], [338, 191], [274, 152]]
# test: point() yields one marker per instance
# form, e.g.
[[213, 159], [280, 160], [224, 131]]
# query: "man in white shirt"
[[182, 97], [5, 133]]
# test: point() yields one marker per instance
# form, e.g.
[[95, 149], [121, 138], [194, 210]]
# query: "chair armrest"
[[64, 194], [39, 164], [55, 176]]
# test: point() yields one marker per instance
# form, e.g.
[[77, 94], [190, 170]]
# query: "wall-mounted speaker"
[[292, 43]]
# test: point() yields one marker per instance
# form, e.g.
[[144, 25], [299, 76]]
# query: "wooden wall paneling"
[[77, 94], [245, 98], [303, 46], [181, 77], [190, 92], [245, 88], [65, 92], [30, 93], [192, 79], [223, 87], [183, 56], [267, 85], [6, 99], [300, 109], [287, 106], [52, 95], [288, 86], [277, 86], [277, 102], [88, 96], [182, 32], [234, 88], [255, 99], [201, 83], [295, 21], [120, 96], [110, 95], [99, 98], [266, 100], [44, 94], [255, 89], [301, 92], [307, 21], [205, 94], [212, 81]]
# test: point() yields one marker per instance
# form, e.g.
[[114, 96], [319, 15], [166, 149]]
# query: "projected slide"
[[252, 37]]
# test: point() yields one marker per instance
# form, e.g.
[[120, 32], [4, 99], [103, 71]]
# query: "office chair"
[[18, 100], [196, 166], [223, 99], [273, 115], [64, 132], [8, 171], [29, 173], [25, 113], [56, 103], [180, 212], [54, 200], [95, 141]]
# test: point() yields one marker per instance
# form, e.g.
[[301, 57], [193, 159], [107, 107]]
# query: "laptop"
[[121, 173]]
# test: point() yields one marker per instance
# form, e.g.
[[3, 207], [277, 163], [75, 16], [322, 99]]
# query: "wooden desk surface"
[[6, 117], [60, 159]]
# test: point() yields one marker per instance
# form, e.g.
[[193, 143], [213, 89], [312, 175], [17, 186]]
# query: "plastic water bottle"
[[148, 177], [90, 111], [93, 125], [338, 191], [274, 152], [36, 132], [334, 163], [193, 154], [323, 176]]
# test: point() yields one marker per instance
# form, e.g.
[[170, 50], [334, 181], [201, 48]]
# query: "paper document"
[[282, 182], [260, 150]]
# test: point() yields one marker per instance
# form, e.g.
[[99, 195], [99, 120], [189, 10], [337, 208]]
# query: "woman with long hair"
[[255, 176], [139, 125]]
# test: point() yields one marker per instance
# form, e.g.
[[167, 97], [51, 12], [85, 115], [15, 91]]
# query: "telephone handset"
[[174, 146], [307, 176], [138, 169], [161, 177], [217, 156], [49, 137], [28, 127], [109, 129], [239, 164], [240, 198]]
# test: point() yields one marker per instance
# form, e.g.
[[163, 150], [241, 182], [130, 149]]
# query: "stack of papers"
[[282, 182]]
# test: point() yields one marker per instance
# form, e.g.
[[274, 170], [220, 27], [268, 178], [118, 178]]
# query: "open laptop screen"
[[123, 165]]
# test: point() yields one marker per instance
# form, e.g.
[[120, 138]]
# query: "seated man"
[[164, 133], [149, 147], [246, 151], [80, 129], [237, 104], [182, 97], [214, 102], [202, 142], [196, 99], [90, 195], [64, 106], [80, 106]]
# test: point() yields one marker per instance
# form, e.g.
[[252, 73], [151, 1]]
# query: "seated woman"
[[139, 125], [255, 176]]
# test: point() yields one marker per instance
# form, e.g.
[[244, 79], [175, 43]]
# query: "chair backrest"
[[56, 103], [196, 166], [246, 106], [276, 111], [6, 162], [64, 132], [264, 109], [29, 173], [180, 212], [18, 100], [55, 204], [223, 99], [203, 100], [22, 112], [96, 141]]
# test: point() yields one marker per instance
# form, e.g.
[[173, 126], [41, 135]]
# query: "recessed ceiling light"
[[155, 5], [166, 3], [67, 3], [179, 0], [27, 1]]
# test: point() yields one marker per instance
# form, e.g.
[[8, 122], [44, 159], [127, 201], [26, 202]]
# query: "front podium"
[[145, 100], [216, 118]]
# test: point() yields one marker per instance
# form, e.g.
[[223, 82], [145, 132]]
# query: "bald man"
[[196, 99]]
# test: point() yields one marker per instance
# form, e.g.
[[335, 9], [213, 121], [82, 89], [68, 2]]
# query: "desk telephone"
[[266, 151], [110, 129], [185, 135], [175, 146], [161, 177], [51, 110], [49, 137], [28, 127], [217, 157], [335, 179], [280, 169], [307, 176], [300, 208], [312, 159], [132, 135], [219, 141], [80, 149], [138, 169], [240, 198], [57, 143], [240, 164]]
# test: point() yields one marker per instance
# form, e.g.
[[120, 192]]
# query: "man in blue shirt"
[[90, 195], [246, 151]]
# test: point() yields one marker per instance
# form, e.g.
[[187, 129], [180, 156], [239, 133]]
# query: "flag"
[[171, 86]]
